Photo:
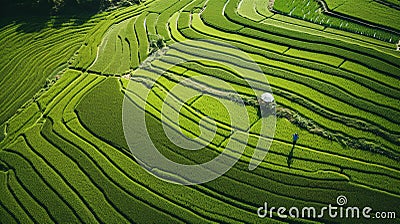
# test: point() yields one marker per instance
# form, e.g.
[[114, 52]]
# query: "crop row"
[[248, 9], [9, 201], [45, 194], [125, 169], [91, 142], [159, 107], [61, 137], [331, 32], [343, 49], [68, 138], [162, 21], [91, 152], [337, 126], [282, 75], [153, 128], [87, 53], [127, 204], [370, 81], [213, 72], [371, 12], [103, 144], [312, 11], [29, 114], [31, 59], [242, 176], [185, 32], [341, 83]]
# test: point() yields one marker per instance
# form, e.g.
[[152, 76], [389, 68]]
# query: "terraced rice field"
[[377, 12], [64, 156], [371, 19], [35, 57]]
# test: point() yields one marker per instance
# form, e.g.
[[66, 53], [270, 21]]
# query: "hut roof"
[[267, 97]]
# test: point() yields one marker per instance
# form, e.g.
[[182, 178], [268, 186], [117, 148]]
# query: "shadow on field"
[[290, 157], [36, 24], [36, 18]]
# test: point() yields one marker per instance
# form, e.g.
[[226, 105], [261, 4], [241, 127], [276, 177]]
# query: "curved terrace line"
[[350, 18]]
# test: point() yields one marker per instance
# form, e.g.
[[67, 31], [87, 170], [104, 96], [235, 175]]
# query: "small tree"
[[156, 42]]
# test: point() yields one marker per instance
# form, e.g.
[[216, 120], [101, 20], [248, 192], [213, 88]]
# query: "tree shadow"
[[38, 23], [290, 157], [30, 20]]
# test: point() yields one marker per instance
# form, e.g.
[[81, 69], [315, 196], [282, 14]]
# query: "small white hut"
[[267, 98], [398, 46], [267, 103]]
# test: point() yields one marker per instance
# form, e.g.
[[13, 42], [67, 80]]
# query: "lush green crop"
[[142, 39], [12, 201], [248, 9], [94, 118], [312, 11], [232, 79], [30, 115], [52, 200], [323, 58], [358, 78], [374, 12], [218, 19], [30, 58], [64, 157], [165, 15]]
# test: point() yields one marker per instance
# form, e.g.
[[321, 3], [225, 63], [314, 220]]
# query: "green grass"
[[29, 59], [218, 19], [94, 118], [12, 202], [50, 199], [285, 66], [303, 63], [312, 11], [337, 95], [142, 39], [323, 58], [65, 158], [373, 12], [29, 115], [248, 9]]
